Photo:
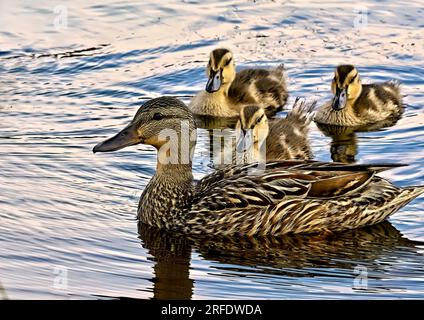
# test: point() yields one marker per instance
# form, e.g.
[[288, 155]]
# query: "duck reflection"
[[210, 123], [172, 256], [220, 138], [338, 250], [344, 145], [277, 256], [3, 294]]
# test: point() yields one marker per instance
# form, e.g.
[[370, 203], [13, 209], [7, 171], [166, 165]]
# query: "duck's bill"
[[244, 141], [214, 82], [125, 138], [339, 100]]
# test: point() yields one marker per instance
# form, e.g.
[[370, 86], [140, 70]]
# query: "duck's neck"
[[167, 197]]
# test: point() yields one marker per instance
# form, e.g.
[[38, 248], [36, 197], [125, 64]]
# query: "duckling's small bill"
[[340, 99], [244, 141], [214, 82]]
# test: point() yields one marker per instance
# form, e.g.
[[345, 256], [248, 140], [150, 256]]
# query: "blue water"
[[73, 74]]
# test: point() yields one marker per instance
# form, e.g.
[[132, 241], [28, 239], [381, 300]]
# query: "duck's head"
[[220, 69], [346, 86], [252, 127], [164, 123]]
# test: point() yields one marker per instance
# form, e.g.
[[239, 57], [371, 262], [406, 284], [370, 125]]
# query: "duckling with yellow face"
[[357, 104], [260, 139], [228, 91]]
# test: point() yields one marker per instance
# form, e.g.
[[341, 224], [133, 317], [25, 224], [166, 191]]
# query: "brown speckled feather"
[[293, 197]]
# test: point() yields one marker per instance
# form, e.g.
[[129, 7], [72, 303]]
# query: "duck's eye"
[[353, 79], [228, 62], [158, 116], [259, 119]]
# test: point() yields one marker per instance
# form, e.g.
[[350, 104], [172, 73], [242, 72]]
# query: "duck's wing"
[[234, 171], [294, 197], [256, 185]]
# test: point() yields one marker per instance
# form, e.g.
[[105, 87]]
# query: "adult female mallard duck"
[[227, 91], [260, 139], [357, 104], [274, 199]]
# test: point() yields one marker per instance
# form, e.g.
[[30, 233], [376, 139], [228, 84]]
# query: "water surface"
[[72, 75]]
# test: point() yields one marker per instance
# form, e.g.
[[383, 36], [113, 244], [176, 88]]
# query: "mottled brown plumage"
[[275, 198], [357, 104], [227, 91]]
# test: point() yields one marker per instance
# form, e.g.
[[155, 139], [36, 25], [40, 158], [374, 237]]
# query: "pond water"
[[72, 74]]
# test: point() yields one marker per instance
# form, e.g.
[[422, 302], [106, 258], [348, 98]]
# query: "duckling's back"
[[379, 101], [288, 137], [266, 88]]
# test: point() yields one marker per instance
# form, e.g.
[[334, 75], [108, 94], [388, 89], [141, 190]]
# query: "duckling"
[[260, 139], [283, 197], [356, 104], [227, 91]]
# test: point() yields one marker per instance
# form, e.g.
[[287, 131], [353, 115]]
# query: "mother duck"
[[269, 199]]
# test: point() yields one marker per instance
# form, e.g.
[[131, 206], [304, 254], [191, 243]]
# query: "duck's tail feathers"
[[394, 83], [406, 196], [415, 191], [280, 72], [302, 111], [281, 67]]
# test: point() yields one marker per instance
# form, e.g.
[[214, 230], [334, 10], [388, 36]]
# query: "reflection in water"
[[372, 246], [344, 148], [344, 145], [209, 122], [3, 294], [172, 256], [220, 139], [338, 250]]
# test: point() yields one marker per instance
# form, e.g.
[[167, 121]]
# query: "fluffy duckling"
[[227, 92], [356, 104], [260, 139], [292, 196]]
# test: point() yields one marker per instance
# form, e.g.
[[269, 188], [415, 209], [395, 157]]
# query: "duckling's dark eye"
[[158, 116], [228, 62], [260, 119], [353, 79]]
